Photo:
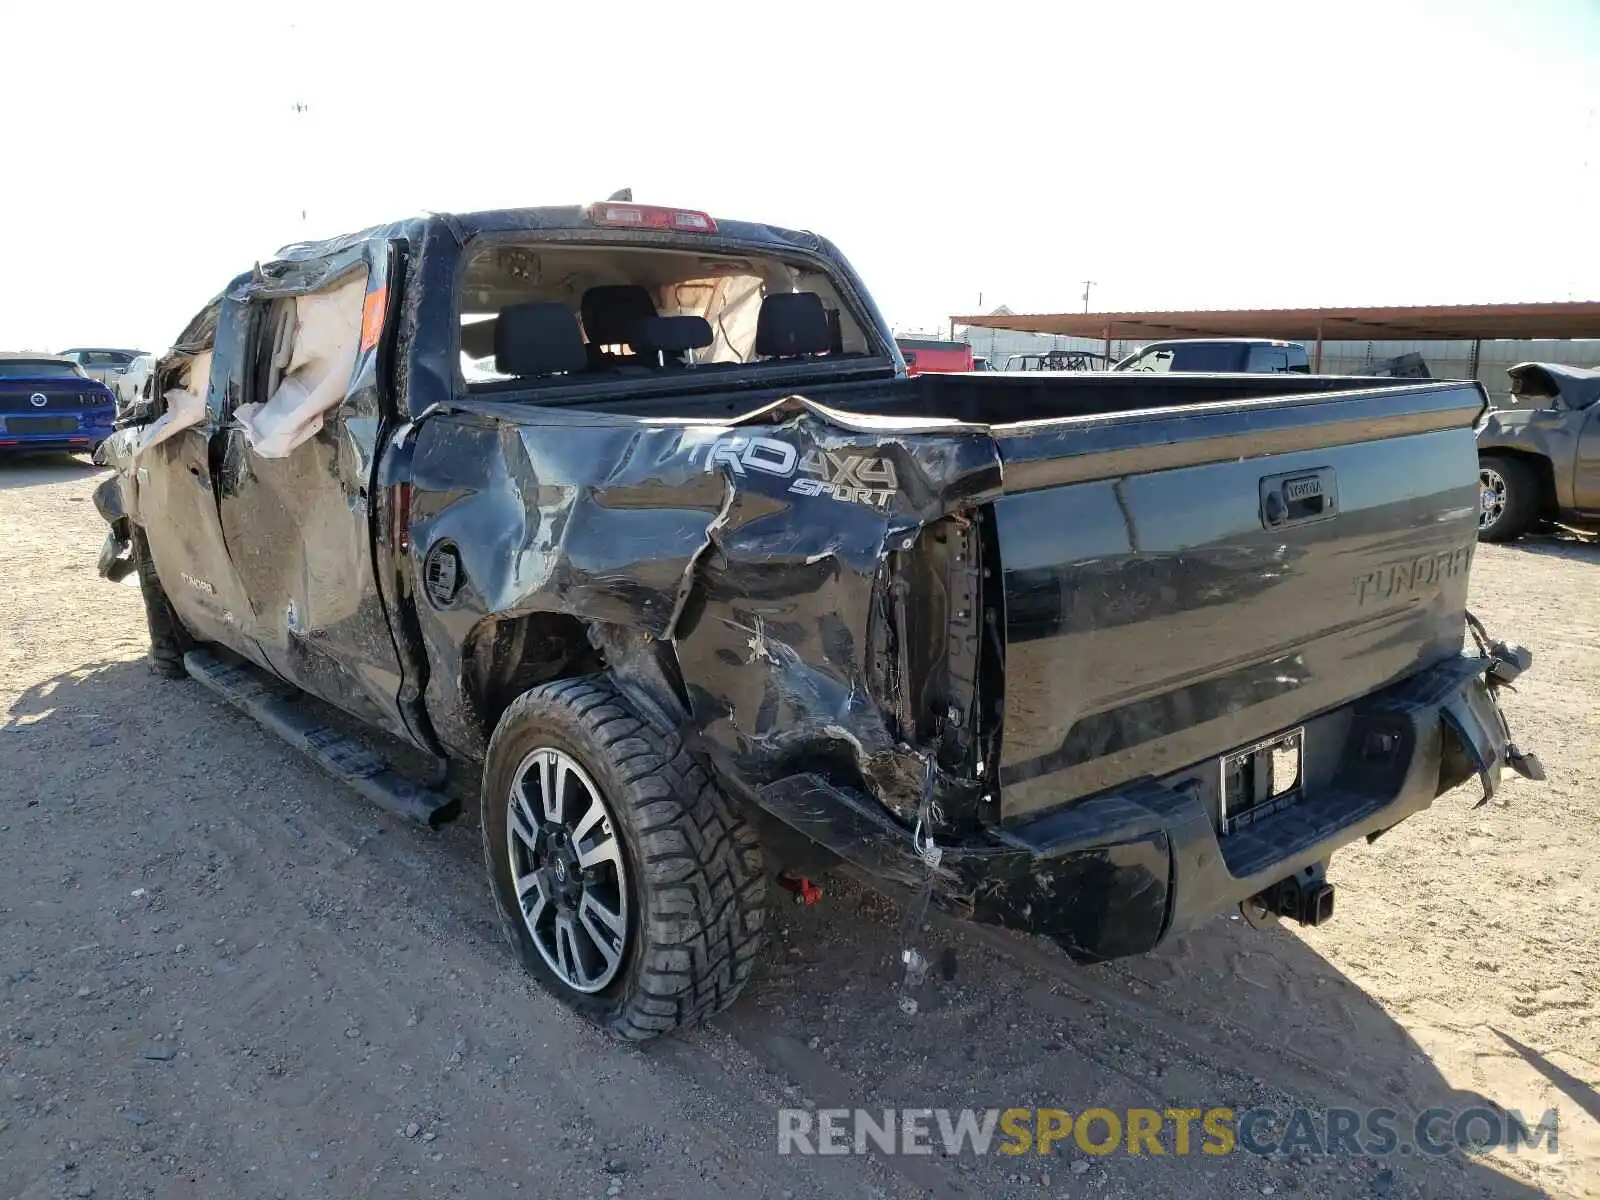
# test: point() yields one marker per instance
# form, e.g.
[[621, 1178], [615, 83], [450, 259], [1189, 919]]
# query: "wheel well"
[[1542, 471], [505, 656]]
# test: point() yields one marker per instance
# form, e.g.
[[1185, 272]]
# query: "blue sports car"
[[48, 403]]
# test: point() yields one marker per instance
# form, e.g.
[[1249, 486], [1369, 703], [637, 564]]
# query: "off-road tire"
[[697, 887], [169, 641], [1521, 508]]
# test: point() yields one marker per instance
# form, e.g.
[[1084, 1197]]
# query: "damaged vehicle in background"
[[635, 514], [1539, 460]]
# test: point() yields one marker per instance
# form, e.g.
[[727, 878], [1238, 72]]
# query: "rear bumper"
[[1116, 874]]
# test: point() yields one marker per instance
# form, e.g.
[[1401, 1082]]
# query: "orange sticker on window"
[[372, 314]]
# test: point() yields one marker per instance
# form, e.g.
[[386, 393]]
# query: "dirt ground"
[[224, 975]]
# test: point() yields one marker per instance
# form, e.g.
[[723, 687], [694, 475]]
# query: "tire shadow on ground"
[[1557, 545]]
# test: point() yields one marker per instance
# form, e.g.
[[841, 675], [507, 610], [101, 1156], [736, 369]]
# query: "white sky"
[[1181, 153]]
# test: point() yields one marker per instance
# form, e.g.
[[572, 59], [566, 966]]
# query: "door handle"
[[1299, 497]]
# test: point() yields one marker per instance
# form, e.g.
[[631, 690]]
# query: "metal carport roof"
[[1449, 322]]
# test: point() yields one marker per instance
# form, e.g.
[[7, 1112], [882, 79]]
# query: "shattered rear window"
[[726, 290]]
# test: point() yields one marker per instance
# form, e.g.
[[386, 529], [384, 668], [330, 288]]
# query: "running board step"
[[277, 707]]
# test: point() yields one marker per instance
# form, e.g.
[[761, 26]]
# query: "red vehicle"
[[926, 354]]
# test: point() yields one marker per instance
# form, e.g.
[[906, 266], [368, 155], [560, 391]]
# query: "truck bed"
[[983, 397]]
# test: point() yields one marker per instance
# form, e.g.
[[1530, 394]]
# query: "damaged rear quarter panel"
[[727, 542]]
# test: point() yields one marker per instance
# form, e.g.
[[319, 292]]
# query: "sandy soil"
[[222, 974]]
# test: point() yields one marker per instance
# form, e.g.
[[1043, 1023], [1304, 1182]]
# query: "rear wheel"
[[1508, 498], [625, 880]]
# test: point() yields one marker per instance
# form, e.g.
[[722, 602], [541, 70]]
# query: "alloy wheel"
[[568, 869], [1491, 497]]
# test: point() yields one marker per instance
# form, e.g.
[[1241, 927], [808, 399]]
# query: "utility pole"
[[300, 124], [301, 108], [1087, 284]]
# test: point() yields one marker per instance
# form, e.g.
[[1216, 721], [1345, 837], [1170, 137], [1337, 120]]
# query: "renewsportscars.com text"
[[1377, 1132]]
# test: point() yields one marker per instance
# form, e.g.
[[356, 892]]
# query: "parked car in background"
[[48, 403], [1401, 366], [928, 354], [1540, 460], [134, 383], [104, 363], [1220, 356], [1058, 360]]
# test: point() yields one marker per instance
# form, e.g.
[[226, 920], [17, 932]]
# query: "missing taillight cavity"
[[932, 668], [650, 216]]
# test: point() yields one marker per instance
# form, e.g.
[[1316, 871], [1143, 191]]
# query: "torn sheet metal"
[[755, 549], [186, 406], [313, 357]]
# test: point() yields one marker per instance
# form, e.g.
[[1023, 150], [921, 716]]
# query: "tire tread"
[[703, 881], [1522, 498]]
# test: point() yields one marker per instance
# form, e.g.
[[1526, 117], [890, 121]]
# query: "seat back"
[[538, 338], [792, 325]]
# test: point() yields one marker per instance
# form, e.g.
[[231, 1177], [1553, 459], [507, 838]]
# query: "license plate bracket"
[[1261, 779]]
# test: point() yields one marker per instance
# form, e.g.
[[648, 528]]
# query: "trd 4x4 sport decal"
[[854, 478]]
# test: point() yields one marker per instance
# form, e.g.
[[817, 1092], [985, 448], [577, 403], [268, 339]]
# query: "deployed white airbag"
[[327, 336], [185, 405]]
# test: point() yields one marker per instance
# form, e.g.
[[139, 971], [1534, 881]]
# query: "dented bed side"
[[747, 570]]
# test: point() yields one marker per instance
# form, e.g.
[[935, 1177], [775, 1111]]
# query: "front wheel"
[[169, 640], [625, 880], [1508, 498]]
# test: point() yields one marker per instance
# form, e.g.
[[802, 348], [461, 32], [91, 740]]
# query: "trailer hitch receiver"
[[1306, 897]]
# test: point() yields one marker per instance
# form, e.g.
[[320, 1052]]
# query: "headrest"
[[673, 335], [792, 323], [477, 338], [612, 311], [540, 338]]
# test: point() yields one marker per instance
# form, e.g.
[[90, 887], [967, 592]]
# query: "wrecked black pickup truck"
[[636, 515]]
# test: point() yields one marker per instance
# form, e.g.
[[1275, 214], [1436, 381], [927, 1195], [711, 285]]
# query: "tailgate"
[[1182, 582]]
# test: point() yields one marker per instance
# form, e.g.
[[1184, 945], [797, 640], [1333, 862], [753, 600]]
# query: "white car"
[[134, 382]]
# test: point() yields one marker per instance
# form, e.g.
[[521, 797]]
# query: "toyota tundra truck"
[[633, 517]]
